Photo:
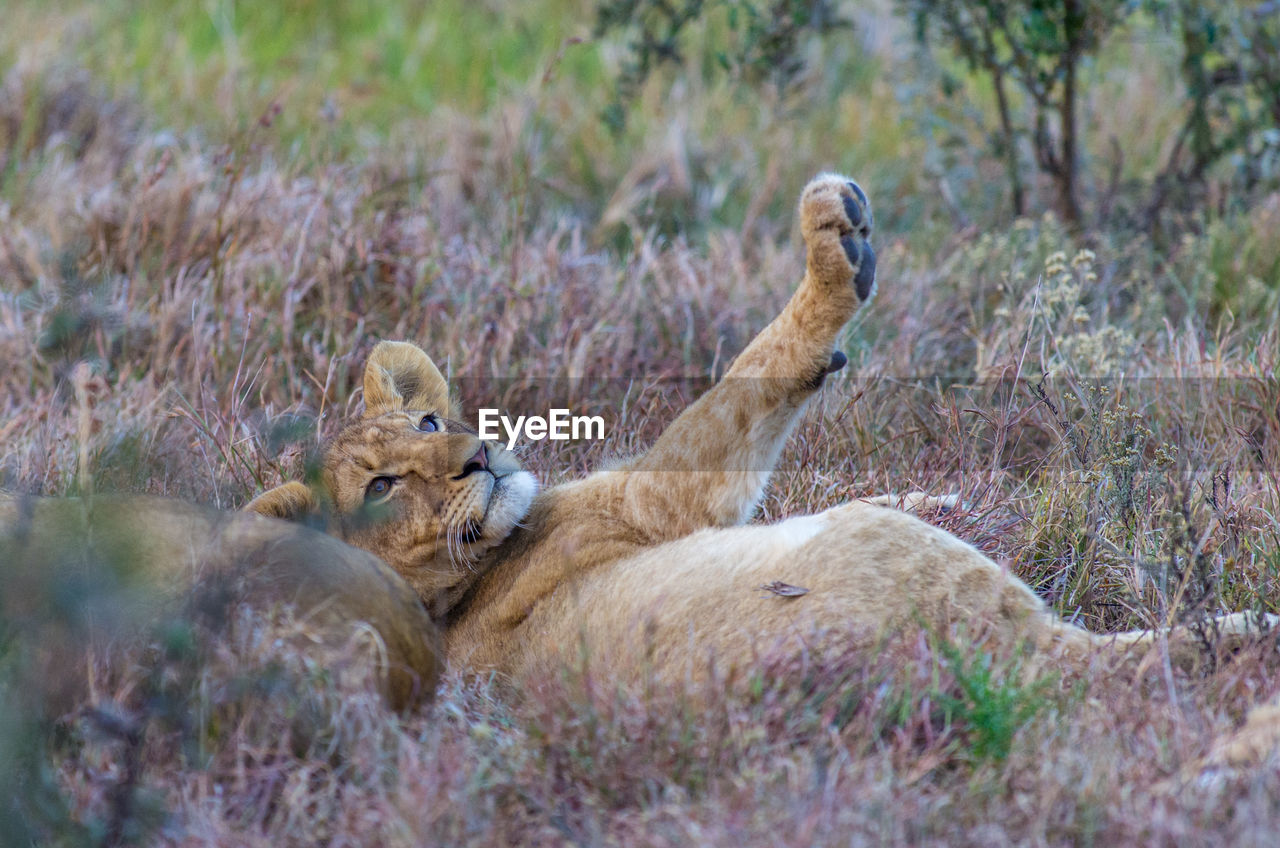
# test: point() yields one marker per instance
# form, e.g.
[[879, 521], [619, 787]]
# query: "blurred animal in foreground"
[[94, 588]]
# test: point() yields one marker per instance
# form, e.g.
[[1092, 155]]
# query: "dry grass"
[[1111, 418]]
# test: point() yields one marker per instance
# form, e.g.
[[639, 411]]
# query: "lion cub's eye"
[[428, 424], [378, 487]]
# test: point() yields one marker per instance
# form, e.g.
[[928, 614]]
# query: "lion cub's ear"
[[289, 501], [400, 376]]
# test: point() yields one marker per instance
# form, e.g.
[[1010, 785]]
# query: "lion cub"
[[645, 569]]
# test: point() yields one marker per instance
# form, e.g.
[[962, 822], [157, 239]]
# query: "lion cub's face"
[[425, 494], [411, 485]]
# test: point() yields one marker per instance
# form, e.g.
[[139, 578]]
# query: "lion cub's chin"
[[508, 505]]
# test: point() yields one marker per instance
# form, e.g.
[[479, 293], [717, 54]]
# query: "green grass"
[[993, 703], [338, 68], [340, 79]]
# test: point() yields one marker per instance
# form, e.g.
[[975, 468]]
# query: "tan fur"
[[1255, 741], [441, 514], [350, 611], [642, 569]]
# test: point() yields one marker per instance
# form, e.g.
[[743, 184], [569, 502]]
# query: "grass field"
[[210, 212]]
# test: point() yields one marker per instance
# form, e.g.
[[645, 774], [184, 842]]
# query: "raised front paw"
[[835, 218]]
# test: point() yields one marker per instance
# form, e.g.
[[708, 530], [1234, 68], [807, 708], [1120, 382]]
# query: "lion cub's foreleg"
[[710, 466]]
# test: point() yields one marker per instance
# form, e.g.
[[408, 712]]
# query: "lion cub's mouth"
[[509, 502]]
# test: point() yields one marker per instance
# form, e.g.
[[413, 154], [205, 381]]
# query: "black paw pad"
[[850, 245], [854, 212], [854, 187], [864, 282], [838, 361]]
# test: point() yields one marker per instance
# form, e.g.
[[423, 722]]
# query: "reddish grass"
[[225, 301]]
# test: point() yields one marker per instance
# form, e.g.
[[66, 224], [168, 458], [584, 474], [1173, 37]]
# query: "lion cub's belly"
[[731, 596]]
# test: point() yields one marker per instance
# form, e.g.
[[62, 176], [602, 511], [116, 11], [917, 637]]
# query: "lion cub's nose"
[[478, 462]]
